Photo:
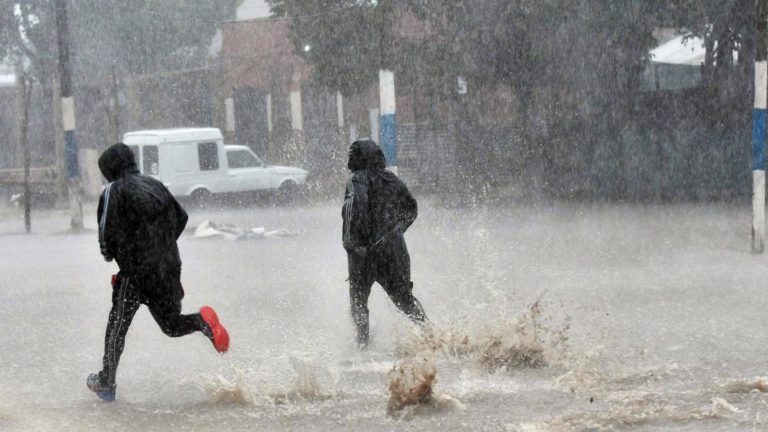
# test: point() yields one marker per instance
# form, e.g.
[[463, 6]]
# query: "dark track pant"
[[390, 266], [161, 291]]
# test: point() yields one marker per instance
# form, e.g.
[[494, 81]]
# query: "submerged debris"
[[210, 229]]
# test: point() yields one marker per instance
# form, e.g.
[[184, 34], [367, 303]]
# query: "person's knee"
[[407, 303], [170, 324], [400, 292], [170, 329]]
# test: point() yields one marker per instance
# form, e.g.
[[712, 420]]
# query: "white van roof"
[[159, 136]]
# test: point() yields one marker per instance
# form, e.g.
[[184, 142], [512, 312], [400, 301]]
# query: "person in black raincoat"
[[377, 210], [139, 222]]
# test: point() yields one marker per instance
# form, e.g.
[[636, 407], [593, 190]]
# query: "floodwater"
[[545, 318]]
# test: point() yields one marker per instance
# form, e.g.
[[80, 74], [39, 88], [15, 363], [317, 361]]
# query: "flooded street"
[[589, 250], [641, 317]]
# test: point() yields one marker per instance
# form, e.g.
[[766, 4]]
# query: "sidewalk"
[[44, 221]]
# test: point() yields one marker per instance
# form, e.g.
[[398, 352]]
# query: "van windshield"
[[242, 159]]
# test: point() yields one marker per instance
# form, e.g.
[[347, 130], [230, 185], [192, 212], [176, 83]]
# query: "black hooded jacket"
[[139, 219], [377, 204]]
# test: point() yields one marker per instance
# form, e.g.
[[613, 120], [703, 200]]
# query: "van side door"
[[212, 168]]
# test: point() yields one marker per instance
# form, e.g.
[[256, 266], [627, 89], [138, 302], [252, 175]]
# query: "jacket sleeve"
[[180, 216], [356, 215], [409, 209], [108, 219]]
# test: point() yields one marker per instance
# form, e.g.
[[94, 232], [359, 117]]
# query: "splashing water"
[[220, 390], [528, 341], [410, 383], [411, 390], [757, 384], [632, 412], [497, 344], [721, 408], [602, 379], [306, 385]]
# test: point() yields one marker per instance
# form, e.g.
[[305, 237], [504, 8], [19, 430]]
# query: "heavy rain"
[[558, 207]]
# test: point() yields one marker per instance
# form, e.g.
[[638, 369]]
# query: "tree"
[[136, 37], [581, 117], [16, 24], [112, 42], [21, 23], [347, 41], [145, 36]]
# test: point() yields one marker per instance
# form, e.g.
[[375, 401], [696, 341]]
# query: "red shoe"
[[219, 335]]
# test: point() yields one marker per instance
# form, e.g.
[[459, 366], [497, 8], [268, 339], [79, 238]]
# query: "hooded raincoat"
[[377, 210], [139, 222], [139, 219]]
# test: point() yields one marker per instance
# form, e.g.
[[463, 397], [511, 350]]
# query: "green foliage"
[[346, 41], [581, 121]]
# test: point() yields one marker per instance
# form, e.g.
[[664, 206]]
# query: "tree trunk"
[[24, 87], [114, 115], [58, 138]]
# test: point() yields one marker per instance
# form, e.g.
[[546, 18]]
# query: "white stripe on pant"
[[113, 337]]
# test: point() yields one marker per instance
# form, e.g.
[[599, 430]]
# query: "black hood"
[[365, 154], [116, 161]]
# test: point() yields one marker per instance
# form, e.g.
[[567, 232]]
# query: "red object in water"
[[114, 280], [220, 335]]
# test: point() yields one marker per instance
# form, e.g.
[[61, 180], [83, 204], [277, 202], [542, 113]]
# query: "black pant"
[[160, 289], [390, 265]]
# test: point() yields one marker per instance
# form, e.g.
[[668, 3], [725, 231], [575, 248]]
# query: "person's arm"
[[107, 214], [180, 216], [356, 214], [409, 209]]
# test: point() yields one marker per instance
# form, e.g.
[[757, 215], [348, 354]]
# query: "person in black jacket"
[[378, 209], [139, 222]]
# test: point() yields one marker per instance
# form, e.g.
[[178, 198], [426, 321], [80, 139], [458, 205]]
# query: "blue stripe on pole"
[[389, 138], [758, 139], [70, 155]]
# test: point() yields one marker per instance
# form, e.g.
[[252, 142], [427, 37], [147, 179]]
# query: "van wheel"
[[201, 198], [286, 194]]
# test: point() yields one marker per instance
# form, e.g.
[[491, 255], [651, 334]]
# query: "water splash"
[[410, 383], [632, 412], [499, 343], [221, 390], [306, 386], [721, 408], [411, 390], [605, 378], [757, 384]]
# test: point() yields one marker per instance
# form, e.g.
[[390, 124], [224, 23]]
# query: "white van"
[[194, 162]]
